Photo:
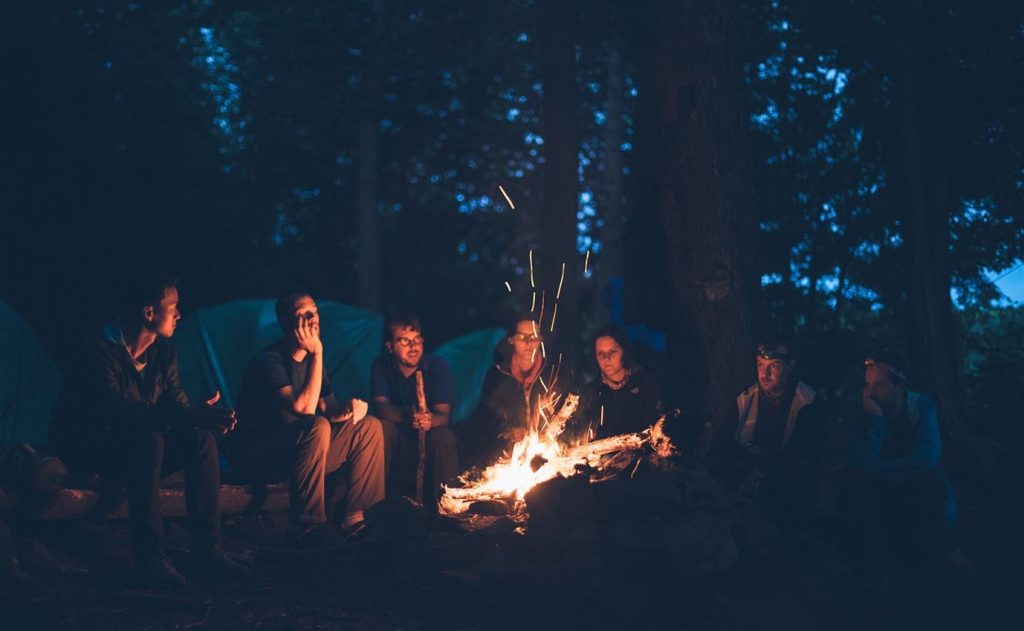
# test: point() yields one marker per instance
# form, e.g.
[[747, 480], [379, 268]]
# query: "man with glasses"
[[898, 499], [291, 426], [779, 434], [395, 401]]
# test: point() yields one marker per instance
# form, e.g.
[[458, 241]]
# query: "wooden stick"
[[421, 462]]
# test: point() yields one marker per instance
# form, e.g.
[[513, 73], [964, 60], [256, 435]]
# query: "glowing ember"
[[508, 287], [586, 262]]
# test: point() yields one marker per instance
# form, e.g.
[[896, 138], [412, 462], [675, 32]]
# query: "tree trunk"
[[556, 222], [366, 233], [706, 199], [919, 103]]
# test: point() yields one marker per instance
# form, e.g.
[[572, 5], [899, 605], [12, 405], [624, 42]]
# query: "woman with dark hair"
[[510, 394], [623, 398]]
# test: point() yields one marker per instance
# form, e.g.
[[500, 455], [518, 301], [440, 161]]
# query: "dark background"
[[848, 173]]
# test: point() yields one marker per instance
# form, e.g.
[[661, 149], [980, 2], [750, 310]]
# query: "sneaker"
[[219, 563], [157, 571], [309, 536], [353, 532]]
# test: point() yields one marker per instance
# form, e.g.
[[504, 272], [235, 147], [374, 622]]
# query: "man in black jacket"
[[123, 414]]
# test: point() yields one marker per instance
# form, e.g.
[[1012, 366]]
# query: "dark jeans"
[[885, 518], [307, 450], [401, 444], [138, 462]]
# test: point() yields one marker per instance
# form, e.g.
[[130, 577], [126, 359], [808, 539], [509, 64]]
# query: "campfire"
[[540, 457]]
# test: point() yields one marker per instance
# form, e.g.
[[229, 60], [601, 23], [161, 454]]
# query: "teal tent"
[[29, 382], [215, 345], [469, 356]]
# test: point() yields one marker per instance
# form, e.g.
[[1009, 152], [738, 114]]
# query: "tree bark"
[[557, 220], [706, 199], [366, 233], [919, 105]]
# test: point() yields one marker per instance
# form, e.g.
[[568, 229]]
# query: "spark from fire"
[[554, 314], [508, 287], [532, 286], [533, 302], [586, 261], [507, 198], [558, 295], [543, 351]]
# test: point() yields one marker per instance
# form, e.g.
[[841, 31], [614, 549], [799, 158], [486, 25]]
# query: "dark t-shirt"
[[772, 414], [259, 411], [387, 380]]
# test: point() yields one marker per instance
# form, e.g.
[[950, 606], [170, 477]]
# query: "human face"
[[526, 340], [773, 374], [878, 385], [163, 318], [304, 308], [609, 357], [406, 345]]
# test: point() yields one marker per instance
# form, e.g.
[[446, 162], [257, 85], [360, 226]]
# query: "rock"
[[698, 543], [488, 507]]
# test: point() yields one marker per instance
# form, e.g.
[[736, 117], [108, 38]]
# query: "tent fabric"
[[29, 382], [215, 345], [469, 357]]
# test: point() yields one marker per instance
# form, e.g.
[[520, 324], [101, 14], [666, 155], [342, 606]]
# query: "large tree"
[[706, 197]]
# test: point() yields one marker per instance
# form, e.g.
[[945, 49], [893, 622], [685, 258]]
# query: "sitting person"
[[624, 398], [510, 395], [394, 398], [291, 426], [122, 413], [898, 497], [780, 435]]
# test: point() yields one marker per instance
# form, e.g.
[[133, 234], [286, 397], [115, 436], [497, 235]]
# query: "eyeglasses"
[[871, 362], [408, 342], [529, 338]]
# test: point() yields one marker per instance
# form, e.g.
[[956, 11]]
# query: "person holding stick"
[[412, 394]]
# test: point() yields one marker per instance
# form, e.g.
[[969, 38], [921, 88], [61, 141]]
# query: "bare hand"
[[870, 405], [421, 420], [215, 419], [307, 335]]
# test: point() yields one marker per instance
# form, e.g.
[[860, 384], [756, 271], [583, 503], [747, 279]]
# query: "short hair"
[[284, 304], [897, 363], [405, 319], [144, 289], [620, 337], [766, 348]]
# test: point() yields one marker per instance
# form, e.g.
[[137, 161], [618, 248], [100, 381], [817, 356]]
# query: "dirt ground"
[[420, 573]]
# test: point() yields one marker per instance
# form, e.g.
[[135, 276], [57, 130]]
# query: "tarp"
[[29, 382], [215, 345]]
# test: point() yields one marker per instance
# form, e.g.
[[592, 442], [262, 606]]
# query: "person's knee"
[[202, 441], [371, 431], [150, 445], [441, 439]]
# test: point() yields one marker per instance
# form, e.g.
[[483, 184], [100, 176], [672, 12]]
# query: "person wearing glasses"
[[780, 435], [898, 499], [511, 394], [394, 399], [291, 426]]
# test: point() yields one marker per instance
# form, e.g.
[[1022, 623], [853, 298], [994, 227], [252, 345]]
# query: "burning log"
[[539, 458]]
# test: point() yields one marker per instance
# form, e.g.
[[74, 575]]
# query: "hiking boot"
[[352, 532], [157, 571], [219, 563]]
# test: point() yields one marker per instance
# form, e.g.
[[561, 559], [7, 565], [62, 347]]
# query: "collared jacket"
[[105, 396], [746, 403]]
